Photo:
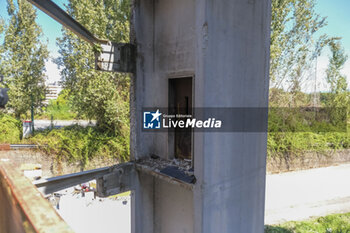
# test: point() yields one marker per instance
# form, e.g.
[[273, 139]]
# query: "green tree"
[[335, 79], [294, 46], [339, 96], [24, 58], [97, 95]]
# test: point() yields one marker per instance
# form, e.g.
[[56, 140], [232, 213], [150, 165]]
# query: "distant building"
[[52, 92]]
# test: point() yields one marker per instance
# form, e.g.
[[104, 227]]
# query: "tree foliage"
[[23, 58], [335, 79], [339, 95], [97, 95], [294, 45]]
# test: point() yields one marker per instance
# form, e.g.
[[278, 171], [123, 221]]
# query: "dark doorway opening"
[[180, 103]]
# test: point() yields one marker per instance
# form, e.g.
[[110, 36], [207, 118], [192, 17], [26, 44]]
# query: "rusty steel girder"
[[109, 56], [22, 207]]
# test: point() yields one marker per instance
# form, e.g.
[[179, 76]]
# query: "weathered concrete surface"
[[232, 68], [224, 46], [172, 203], [165, 38], [303, 194]]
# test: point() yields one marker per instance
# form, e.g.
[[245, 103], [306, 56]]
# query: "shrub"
[[59, 109], [10, 129], [78, 144]]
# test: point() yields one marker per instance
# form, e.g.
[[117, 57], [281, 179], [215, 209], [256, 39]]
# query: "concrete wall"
[[165, 38], [232, 68], [224, 46], [165, 41], [173, 207]]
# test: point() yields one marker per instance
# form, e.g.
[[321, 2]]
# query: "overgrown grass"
[[78, 144], [297, 143], [336, 223], [10, 129], [73, 143], [59, 110], [81, 144], [295, 131]]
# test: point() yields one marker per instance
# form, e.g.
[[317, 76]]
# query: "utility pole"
[[32, 111], [315, 86]]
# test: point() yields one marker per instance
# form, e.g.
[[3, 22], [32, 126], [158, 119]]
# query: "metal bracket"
[[116, 57], [54, 184], [119, 181], [116, 179]]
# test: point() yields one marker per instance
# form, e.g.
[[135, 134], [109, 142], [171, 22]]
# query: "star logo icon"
[[151, 120], [156, 115]]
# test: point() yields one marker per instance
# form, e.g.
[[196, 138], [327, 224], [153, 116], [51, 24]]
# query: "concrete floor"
[[303, 194]]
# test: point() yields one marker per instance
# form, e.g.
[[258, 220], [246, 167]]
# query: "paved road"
[[43, 124], [303, 194], [289, 196], [86, 215]]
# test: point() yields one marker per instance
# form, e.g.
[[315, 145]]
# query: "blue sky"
[[338, 18], [337, 12], [51, 30]]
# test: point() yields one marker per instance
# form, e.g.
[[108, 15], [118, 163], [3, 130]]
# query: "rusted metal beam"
[[109, 56], [51, 9], [110, 180], [20, 146], [54, 184], [22, 208]]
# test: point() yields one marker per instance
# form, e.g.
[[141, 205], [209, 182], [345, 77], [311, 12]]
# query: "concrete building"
[[53, 90], [222, 47], [190, 54]]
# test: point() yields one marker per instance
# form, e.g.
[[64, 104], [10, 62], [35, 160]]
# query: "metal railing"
[[23, 208]]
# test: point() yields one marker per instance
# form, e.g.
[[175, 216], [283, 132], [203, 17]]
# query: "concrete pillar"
[[224, 46], [232, 70]]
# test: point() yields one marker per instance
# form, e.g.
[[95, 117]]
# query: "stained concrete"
[[224, 46], [165, 37]]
